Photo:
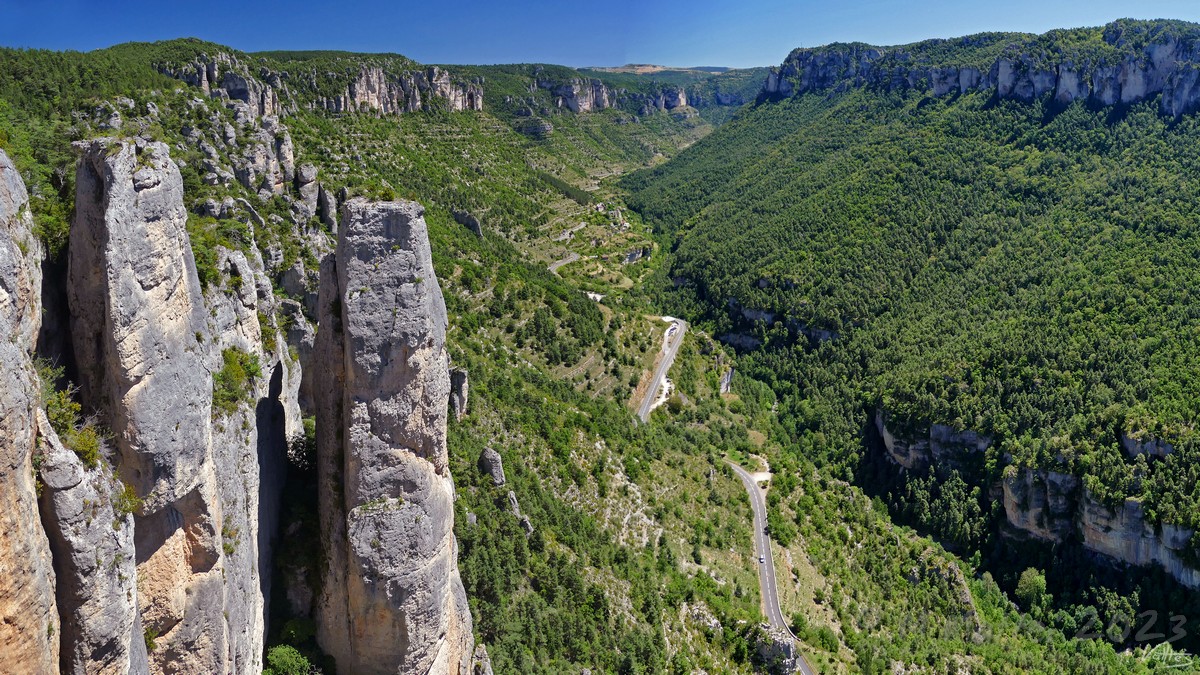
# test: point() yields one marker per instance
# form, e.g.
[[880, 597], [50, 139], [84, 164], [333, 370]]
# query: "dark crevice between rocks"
[[54, 337], [272, 474]]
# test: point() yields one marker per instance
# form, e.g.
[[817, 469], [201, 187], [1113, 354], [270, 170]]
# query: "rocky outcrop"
[[1142, 60], [481, 663], [469, 221], [584, 95], [1124, 534], [379, 90], [28, 617], [224, 76], [268, 163], [327, 208], [308, 189], [136, 314], [1041, 503], [777, 651], [1051, 505], [942, 446], [92, 539], [491, 464], [1141, 443], [536, 128], [459, 390], [579, 95], [667, 98], [392, 598], [147, 344]]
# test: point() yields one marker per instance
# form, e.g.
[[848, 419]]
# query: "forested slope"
[[978, 261], [634, 555]]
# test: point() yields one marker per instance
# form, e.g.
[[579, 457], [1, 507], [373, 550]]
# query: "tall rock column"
[[147, 345], [393, 601], [137, 316], [28, 618]]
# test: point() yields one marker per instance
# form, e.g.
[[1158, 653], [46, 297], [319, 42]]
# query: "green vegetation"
[[286, 660], [126, 502], [150, 636], [65, 415], [1019, 270], [232, 384]]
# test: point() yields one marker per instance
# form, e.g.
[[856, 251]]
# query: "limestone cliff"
[[223, 75], [1123, 533], [941, 446], [394, 89], [147, 343], [154, 552], [28, 616], [1050, 505], [579, 95], [582, 95], [392, 598], [92, 540], [1138, 62], [381, 91], [1041, 503]]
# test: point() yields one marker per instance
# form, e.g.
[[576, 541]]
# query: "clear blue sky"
[[576, 33]]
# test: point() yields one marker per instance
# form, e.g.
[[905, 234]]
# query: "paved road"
[[559, 263], [766, 571], [673, 341]]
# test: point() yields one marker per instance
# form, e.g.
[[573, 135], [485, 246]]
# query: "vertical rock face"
[[459, 390], [1049, 505], [94, 553], [396, 93], [1123, 533], [1041, 503], [28, 621], [224, 76], [393, 600], [267, 164], [137, 314], [147, 345]]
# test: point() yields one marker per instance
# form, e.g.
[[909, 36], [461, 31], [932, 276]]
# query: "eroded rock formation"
[[1141, 66], [1051, 505], [92, 539], [147, 343], [375, 89], [392, 597], [28, 616]]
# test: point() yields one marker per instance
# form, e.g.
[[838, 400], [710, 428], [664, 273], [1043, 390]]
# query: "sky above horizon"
[[694, 33]]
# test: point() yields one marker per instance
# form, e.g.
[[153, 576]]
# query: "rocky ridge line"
[[1168, 64]]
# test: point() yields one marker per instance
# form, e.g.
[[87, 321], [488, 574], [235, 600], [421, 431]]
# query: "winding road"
[[766, 570], [553, 267], [672, 341]]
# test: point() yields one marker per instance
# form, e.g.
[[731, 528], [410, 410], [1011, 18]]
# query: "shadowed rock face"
[[1051, 505], [393, 600], [28, 620]]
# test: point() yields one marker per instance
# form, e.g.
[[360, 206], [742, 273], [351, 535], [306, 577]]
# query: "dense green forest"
[[1026, 271], [988, 266]]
